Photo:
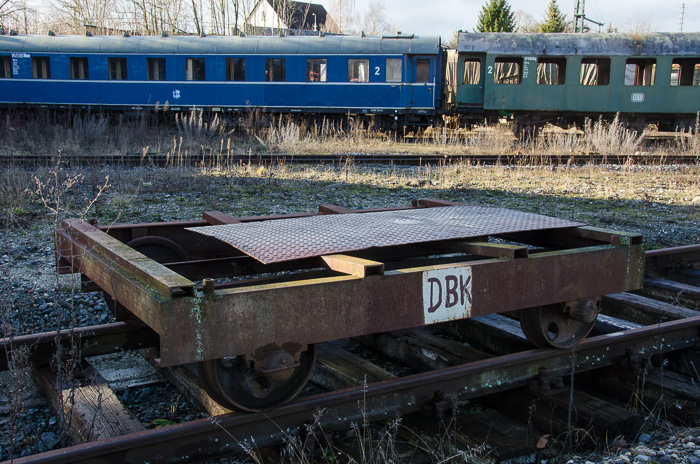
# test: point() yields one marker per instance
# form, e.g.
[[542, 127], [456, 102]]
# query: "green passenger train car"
[[564, 78]]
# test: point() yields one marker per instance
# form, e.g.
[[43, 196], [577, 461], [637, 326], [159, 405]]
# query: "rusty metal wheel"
[[559, 325], [236, 383], [159, 249]]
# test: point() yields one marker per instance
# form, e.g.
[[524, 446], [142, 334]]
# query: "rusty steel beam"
[[242, 320], [88, 341], [224, 435]]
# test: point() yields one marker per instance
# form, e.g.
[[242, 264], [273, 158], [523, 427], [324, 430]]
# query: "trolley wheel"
[[559, 325], [234, 383], [159, 249]]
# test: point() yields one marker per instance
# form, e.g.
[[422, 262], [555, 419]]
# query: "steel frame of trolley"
[[251, 327]]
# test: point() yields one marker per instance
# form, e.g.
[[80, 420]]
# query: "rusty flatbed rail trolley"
[[247, 299]]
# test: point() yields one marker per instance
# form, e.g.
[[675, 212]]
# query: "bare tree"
[[344, 13], [526, 22], [155, 16], [374, 22], [77, 13]]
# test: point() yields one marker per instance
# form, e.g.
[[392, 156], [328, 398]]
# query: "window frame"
[[116, 66], [516, 60], [469, 62], [275, 70], [602, 66], [5, 67], [45, 63], [235, 66], [156, 64], [195, 69], [423, 71], [684, 65], [647, 77], [391, 78], [355, 72], [316, 69], [79, 68], [560, 74]]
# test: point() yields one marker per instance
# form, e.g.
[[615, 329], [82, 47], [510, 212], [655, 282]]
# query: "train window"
[[117, 68], [422, 70], [316, 70], [640, 71], [358, 70], [156, 69], [235, 69], [275, 70], [472, 72], [79, 68], [5, 67], [394, 69], [508, 70], [595, 71], [551, 71], [195, 69], [685, 72], [41, 68]]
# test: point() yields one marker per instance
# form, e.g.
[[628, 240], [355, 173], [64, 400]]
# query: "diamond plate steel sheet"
[[281, 240]]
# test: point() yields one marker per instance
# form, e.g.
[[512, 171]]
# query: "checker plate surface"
[[281, 240]]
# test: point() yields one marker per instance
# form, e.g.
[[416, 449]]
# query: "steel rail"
[[409, 160], [84, 341], [226, 434], [667, 257]]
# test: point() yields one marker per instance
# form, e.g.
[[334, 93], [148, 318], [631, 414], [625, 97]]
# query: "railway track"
[[165, 160], [442, 367]]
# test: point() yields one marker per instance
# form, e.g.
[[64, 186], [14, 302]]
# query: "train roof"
[[327, 45], [581, 44]]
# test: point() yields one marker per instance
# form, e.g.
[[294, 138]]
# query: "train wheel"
[[159, 249], [559, 325], [255, 383]]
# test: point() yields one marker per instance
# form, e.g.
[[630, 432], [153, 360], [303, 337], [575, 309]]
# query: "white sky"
[[443, 17]]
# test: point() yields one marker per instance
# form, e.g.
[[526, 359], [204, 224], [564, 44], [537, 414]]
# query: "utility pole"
[[580, 18], [680, 26]]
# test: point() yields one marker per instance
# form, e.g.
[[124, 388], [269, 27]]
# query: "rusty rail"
[[223, 435]]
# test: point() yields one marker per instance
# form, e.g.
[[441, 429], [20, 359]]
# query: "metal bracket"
[[544, 383]]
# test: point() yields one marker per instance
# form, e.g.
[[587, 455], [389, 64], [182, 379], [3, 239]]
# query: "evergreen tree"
[[554, 21], [496, 16]]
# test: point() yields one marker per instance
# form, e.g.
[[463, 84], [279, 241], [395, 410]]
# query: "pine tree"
[[554, 21], [496, 16]]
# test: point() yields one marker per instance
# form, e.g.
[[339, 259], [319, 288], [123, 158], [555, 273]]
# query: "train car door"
[[471, 75], [422, 88]]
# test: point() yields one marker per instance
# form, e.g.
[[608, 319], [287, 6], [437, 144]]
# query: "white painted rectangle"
[[447, 294]]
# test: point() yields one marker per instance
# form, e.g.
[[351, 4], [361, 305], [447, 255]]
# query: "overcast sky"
[[443, 17]]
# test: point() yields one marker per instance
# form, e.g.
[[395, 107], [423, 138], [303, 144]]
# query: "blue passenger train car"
[[390, 75]]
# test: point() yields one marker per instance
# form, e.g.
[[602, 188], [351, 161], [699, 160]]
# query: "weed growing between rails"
[[52, 192]]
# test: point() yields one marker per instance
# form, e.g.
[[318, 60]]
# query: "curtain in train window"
[[235, 69], [195, 69], [394, 69], [640, 71], [5, 67], [79, 68], [685, 72], [275, 70], [595, 71], [472, 72], [358, 70], [507, 70], [551, 71], [117, 68], [316, 70], [41, 68], [156, 69]]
